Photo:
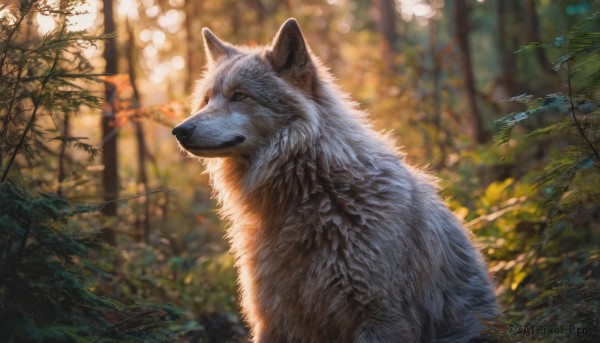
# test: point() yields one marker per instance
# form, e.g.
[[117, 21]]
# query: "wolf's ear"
[[215, 48], [289, 51]]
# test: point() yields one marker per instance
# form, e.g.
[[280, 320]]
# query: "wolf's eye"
[[205, 101], [237, 96]]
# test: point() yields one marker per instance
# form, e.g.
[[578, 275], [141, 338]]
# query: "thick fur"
[[336, 239]]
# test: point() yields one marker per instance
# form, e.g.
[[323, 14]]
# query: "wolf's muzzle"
[[183, 132]]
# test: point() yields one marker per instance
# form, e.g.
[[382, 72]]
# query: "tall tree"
[[508, 63], [386, 21], [474, 121], [110, 176], [66, 122], [143, 220], [436, 73], [533, 34], [194, 47]]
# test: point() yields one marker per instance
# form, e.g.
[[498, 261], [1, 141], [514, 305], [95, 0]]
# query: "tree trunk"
[[143, 219], [64, 144], [195, 50], [475, 125], [533, 35], [508, 63], [110, 177], [62, 155], [386, 20], [436, 70]]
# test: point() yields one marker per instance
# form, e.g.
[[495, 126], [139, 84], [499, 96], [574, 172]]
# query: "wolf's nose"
[[183, 131]]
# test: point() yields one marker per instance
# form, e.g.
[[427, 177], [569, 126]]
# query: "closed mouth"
[[227, 144]]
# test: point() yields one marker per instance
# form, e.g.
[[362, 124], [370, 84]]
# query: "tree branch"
[[7, 118], [577, 123], [33, 115]]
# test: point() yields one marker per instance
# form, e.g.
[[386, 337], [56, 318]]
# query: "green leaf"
[[561, 61], [567, 123], [551, 103]]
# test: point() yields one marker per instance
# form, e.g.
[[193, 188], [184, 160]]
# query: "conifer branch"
[[10, 35], [577, 123], [134, 196], [7, 118], [33, 115]]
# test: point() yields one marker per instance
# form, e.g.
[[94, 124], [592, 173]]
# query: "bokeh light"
[[128, 8], [45, 23], [178, 62], [88, 13]]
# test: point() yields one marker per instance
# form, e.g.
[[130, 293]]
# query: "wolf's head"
[[249, 96]]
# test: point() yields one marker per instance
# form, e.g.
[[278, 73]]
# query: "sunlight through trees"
[[499, 99]]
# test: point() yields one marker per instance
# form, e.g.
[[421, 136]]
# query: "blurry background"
[[435, 73]]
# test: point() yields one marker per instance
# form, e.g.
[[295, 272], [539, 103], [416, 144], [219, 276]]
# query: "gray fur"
[[336, 238]]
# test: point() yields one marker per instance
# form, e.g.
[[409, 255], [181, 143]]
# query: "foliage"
[[570, 183], [43, 79], [557, 264], [127, 108], [47, 282]]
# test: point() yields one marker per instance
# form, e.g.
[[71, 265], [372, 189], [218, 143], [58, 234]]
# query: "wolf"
[[335, 237]]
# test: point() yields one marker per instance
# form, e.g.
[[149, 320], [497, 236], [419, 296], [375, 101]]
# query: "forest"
[[109, 233]]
